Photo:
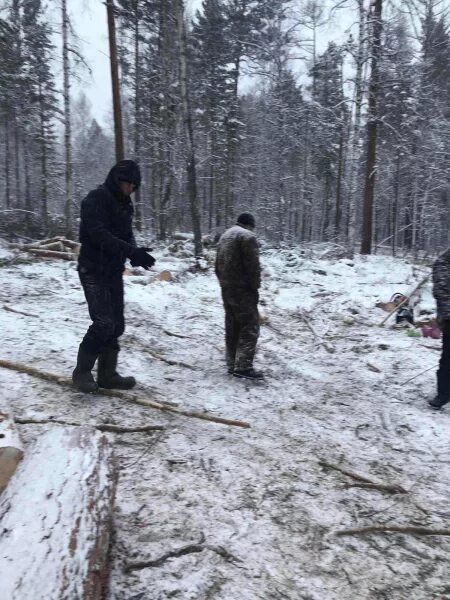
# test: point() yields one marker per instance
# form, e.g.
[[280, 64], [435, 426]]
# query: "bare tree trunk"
[[395, 205], [189, 130], [354, 143], [44, 174], [7, 167], [137, 108], [117, 107], [338, 215], [372, 125], [67, 121], [26, 162], [17, 156]]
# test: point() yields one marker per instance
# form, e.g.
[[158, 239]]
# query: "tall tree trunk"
[[394, 218], [26, 162], [117, 107], [17, 157], [356, 128], [67, 122], [372, 125], [44, 174], [338, 215], [137, 108], [7, 167], [189, 130]]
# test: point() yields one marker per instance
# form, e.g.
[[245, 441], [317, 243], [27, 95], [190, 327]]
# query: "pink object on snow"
[[431, 330]]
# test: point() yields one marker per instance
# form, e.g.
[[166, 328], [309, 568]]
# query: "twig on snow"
[[418, 375], [199, 546], [365, 481], [19, 312], [393, 529], [319, 340], [168, 361], [177, 335], [107, 427]]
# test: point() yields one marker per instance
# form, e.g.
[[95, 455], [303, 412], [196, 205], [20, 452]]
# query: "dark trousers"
[[443, 373], [105, 301], [241, 326]]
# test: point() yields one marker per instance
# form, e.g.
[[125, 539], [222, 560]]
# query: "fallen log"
[[11, 449], [53, 254], [58, 246], [166, 407], [391, 488], [56, 519], [19, 312], [412, 529], [108, 427]]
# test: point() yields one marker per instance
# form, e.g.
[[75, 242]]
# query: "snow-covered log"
[[53, 254], [55, 518], [11, 450]]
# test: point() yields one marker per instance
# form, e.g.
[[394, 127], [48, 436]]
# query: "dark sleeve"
[[250, 260], [132, 240], [441, 279], [95, 218]]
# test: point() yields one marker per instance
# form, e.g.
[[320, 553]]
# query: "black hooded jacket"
[[106, 233]]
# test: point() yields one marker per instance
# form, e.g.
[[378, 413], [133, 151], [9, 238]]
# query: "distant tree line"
[[354, 151]]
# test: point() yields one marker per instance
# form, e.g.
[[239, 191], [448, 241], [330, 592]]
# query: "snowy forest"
[[349, 145], [277, 425]]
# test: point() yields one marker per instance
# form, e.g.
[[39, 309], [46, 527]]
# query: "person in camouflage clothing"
[[441, 292], [239, 273]]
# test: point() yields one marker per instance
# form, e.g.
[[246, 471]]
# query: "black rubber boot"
[[82, 377], [248, 374], [107, 374], [438, 401]]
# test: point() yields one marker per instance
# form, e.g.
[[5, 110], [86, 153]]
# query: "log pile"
[[56, 247], [56, 519]]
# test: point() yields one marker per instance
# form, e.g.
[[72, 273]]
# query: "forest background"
[[237, 105]]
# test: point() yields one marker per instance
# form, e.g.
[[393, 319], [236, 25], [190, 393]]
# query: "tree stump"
[[11, 450], [56, 518]]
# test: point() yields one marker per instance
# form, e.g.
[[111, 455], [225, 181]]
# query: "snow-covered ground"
[[266, 508]]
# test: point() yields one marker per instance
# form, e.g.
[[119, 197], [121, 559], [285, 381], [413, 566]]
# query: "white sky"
[[89, 18]]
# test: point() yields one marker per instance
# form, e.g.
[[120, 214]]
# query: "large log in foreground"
[[55, 518], [11, 450]]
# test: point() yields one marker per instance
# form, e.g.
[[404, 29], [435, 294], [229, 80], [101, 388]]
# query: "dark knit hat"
[[127, 170], [247, 219]]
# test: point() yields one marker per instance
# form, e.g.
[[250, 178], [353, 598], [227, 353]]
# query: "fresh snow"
[[259, 493]]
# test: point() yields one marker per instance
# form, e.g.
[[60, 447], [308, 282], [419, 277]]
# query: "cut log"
[[11, 449], [55, 518], [58, 246], [53, 254], [165, 276]]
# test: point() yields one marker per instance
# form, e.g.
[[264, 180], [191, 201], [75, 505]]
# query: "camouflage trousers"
[[241, 326]]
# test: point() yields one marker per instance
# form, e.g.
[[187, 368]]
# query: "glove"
[[141, 258]]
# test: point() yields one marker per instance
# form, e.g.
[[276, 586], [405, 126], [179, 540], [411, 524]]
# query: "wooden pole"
[[117, 107]]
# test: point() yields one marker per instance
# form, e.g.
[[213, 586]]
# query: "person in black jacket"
[[107, 240]]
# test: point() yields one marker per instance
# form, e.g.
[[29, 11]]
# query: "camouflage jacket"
[[441, 285], [237, 260]]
